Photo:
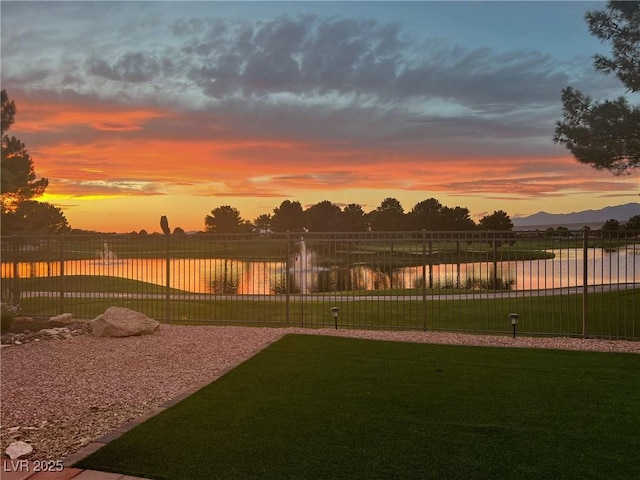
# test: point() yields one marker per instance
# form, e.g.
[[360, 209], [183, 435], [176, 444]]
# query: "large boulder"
[[122, 322]]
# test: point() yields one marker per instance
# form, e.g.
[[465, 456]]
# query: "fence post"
[[495, 262], [585, 279], [391, 266], [61, 306], [167, 294], [431, 264], [457, 263], [287, 268], [14, 292], [424, 280]]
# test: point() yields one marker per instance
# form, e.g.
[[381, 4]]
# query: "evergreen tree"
[[389, 216], [607, 135], [498, 220], [323, 217], [19, 185], [18, 177], [288, 217], [226, 219]]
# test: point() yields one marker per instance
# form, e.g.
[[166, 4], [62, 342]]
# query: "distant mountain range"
[[591, 218]]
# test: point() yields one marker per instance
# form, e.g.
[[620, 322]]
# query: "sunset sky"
[[134, 110]]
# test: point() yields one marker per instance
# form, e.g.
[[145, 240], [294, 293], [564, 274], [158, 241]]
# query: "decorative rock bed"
[[54, 332], [114, 322]]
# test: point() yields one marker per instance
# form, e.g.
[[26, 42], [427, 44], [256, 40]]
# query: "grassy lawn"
[[311, 407], [92, 283], [610, 314]]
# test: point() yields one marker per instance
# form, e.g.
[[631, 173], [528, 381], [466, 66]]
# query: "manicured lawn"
[[311, 407], [609, 314]]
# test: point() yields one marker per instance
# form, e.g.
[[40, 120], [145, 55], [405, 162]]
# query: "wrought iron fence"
[[559, 282]]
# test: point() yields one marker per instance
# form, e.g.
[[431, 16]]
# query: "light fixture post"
[[514, 322], [335, 311]]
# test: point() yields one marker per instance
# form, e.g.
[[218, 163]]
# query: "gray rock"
[[54, 331], [18, 449], [78, 327], [62, 318], [122, 322]]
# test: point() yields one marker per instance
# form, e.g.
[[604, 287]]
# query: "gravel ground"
[[59, 395]]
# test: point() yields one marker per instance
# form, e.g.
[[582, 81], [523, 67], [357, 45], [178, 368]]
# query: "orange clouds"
[[110, 154], [55, 116], [116, 127]]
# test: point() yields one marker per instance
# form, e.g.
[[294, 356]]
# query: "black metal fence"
[[558, 282]]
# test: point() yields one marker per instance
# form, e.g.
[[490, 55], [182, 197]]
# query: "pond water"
[[219, 276]]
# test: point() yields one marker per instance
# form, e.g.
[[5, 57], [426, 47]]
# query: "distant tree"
[[322, 217], [633, 224], [225, 219], [164, 225], [352, 219], [389, 216], [498, 220], [143, 232], [610, 228], [262, 222], [289, 216], [456, 219], [611, 225], [34, 218], [17, 178], [426, 215], [605, 135], [431, 215], [178, 231]]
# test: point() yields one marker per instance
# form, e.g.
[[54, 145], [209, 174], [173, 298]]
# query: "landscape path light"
[[335, 311], [514, 322]]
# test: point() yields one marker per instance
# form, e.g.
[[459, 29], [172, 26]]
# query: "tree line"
[[326, 216]]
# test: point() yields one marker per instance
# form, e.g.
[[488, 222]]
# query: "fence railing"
[[578, 283]]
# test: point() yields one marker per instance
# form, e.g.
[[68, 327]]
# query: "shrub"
[[9, 312]]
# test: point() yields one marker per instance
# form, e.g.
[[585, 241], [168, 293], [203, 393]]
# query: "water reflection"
[[304, 275]]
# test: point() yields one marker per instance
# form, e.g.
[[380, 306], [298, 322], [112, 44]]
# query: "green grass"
[[312, 407], [92, 283], [612, 314], [394, 252], [152, 247], [456, 251]]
